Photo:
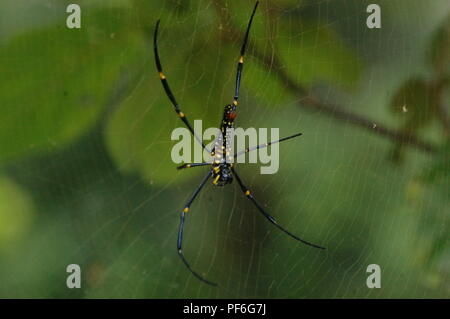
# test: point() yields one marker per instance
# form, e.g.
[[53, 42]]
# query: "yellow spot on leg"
[[247, 193], [162, 76], [181, 114], [186, 209], [241, 59]]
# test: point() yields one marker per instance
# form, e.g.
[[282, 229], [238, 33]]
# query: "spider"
[[221, 169]]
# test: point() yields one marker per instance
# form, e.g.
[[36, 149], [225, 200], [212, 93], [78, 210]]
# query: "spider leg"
[[181, 228], [240, 65], [190, 165], [249, 195], [249, 149], [168, 90]]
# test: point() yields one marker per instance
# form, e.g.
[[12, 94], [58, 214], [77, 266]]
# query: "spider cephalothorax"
[[222, 169]]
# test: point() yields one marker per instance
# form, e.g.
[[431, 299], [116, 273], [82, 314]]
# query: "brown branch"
[[310, 102], [337, 112]]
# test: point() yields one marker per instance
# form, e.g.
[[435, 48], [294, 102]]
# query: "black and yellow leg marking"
[[216, 172], [240, 65], [249, 149], [215, 181], [181, 228], [190, 165], [249, 195], [167, 87]]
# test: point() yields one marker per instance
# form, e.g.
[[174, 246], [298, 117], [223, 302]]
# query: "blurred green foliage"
[[16, 212], [85, 152], [422, 98], [58, 82], [440, 49]]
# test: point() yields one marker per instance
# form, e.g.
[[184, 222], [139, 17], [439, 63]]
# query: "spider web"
[[335, 187]]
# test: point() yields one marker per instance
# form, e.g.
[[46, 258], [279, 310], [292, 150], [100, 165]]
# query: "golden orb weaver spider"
[[222, 171]]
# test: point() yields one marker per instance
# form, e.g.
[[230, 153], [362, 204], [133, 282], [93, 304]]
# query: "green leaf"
[[413, 104], [313, 53], [264, 85], [59, 80], [16, 212], [413, 101]]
